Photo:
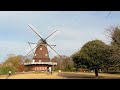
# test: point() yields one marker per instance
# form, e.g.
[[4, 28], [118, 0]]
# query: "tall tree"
[[91, 55], [15, 61], [114, 34], [64, 63], [67, 64]]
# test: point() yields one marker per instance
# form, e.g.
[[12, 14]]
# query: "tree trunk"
[[107, 69], [96, 72]]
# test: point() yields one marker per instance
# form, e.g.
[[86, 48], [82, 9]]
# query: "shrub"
[[5, 69]]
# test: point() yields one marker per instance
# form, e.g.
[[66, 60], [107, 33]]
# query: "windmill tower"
[[41, 60]]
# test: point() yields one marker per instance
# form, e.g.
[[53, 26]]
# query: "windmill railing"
[[49, 63]]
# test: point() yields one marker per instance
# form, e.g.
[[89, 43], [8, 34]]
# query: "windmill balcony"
[[49, 63]]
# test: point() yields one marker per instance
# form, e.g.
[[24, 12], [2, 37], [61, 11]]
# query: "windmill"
[[41, 53], [33, 50]]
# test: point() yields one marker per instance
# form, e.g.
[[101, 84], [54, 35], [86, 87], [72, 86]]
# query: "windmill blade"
[[35, 31], [51, 34], [35, 47], [52, 48], [53, 45], [32, 50], [30, 47], [32, 43]]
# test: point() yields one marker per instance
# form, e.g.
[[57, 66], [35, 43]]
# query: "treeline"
[[13, 63], [64, 63]]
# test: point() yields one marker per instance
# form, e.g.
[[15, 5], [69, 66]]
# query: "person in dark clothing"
[[9, 73], [47, 69]]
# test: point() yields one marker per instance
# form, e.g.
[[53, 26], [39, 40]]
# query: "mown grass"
[[62, 75], [89, 75], [32, 76]]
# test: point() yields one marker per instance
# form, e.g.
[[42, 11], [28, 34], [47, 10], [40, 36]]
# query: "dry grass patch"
[[32, 76], [89, 75], [62, 75]]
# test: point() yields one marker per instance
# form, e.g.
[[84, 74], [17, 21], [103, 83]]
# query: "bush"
[[5, 69]]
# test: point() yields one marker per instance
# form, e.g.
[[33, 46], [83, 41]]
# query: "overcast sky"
[[75, 28]]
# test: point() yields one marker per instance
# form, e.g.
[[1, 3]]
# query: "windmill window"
[[45, 54], [40, 48]]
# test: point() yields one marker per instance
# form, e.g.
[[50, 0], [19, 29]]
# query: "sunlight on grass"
[[62, 75]]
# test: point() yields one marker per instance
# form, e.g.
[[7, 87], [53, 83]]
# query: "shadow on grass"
[[82, 76], [7, 76], [76, 76]]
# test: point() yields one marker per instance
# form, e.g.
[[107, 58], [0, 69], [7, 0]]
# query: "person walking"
[[9, 73], [50, 70], [47, 70]]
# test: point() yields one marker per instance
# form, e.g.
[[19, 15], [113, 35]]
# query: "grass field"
[[32, 76], [62, 75]]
